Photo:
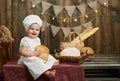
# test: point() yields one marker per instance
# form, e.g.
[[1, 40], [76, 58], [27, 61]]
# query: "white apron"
[[35, 65]]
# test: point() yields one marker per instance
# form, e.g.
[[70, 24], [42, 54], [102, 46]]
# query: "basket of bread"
[[75, 51], [71, 55]]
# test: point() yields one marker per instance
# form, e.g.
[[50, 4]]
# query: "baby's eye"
[[37, 29], [32, 28]]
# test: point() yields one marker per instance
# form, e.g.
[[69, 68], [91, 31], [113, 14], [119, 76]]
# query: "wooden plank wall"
[[105, 41]]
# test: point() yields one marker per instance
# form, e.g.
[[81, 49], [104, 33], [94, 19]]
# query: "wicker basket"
[[71, 59], [67, 43]]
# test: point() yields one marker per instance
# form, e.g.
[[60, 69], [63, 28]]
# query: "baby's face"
[[33, 30]]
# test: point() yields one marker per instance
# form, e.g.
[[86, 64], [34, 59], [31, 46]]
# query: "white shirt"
[[30, 43]]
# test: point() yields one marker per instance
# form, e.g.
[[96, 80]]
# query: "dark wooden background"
[[105, 41]]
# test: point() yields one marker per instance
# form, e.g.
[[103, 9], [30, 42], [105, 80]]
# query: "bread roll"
[[87, 50]]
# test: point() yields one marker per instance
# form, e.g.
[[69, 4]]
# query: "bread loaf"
[[70, 51], [44, 52]]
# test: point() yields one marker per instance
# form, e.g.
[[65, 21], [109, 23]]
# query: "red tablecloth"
[[64, 72]]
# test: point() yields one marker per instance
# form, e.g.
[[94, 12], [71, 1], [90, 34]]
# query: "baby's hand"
[[37, 52]]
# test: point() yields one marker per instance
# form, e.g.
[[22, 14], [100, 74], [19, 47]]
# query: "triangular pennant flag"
[[66, 30], [35, 2], [70, 9], [54, 30], [93, 5], [104, 2], [45, 5], [22, 0], [88, 24], [57, 9], [80, 1], [77, 29], [45, 25], [82, 8]]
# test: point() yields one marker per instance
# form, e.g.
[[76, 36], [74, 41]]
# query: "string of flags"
[[70, 9]]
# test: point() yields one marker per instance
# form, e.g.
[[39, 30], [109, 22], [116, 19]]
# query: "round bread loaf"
[[70, 51], [44, 52]]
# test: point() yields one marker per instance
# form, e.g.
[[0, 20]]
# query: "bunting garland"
[[54, 30], [93, 5], [82, 8], [57, 9], [34, 2], [45, 5], [66, 30], [69, 9], [88, 24]]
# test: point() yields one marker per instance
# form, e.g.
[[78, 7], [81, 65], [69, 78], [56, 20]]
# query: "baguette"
[[86, 34], [89, 33], [80, 35]]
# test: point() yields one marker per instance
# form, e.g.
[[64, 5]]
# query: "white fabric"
[[30, 43], [70, 51], [35, 65], [29, 20]]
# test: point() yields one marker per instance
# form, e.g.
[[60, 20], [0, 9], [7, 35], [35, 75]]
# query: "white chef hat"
[[29, 20]]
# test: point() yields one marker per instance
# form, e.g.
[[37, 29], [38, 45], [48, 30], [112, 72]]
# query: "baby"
[[35, 65]]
